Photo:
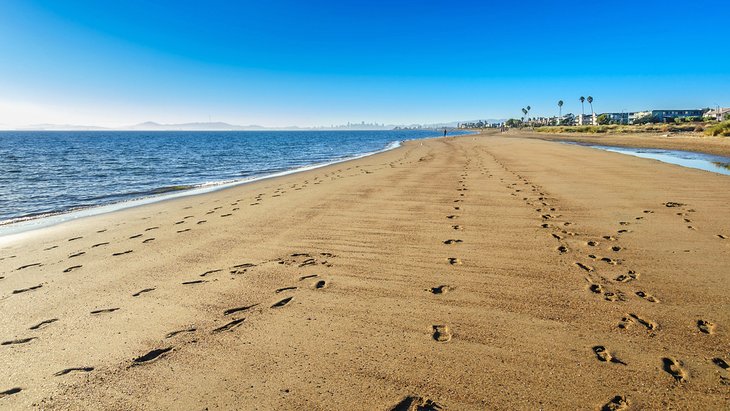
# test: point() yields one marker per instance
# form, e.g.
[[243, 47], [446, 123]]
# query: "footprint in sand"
[[140, 292], [151, 356], [416, 403], [210, 272], [74, 369], [721, 363], [43, 324], [630, 319], [9, 392], [238, 309], [674, 368], [722, 236], [320, 284], [562, 249], [25, 290], [99, 245], [610, 261], [647, 297], [441, 333], [307, 277], [104, 310], [18, 341], [122, 253], [452, 217], [625, 278], [28, 266], [229, 326], [282, 303], [596, 288], [174, 333], [452, 241], [441, 289], [75, 267], [148, 240], [706, 326], [281, 290], [75, 238], [617, 403], [192, 282], [135, 236], [454, 261], [584, 267], [603, 355], [456, 227]]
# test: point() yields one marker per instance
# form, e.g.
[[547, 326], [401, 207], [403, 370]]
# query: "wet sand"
[[474, 272]]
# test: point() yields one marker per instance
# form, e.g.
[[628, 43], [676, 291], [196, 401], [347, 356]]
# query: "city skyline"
[[287, 64]]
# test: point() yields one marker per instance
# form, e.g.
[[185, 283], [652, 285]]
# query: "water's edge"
[[31, 223]]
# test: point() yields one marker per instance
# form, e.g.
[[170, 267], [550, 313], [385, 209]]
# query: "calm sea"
[[45, 173]]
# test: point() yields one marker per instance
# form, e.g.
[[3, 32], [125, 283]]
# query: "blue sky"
[[279, 63]]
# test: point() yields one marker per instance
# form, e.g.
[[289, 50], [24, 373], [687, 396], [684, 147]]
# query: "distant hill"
[[213, 126]]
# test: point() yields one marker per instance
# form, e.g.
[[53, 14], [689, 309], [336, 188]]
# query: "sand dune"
[[474, 272]]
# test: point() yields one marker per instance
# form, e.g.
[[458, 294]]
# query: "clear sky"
[[297, 62]]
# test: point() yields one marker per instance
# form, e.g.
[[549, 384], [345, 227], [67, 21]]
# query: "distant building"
[[586, 119], [718, 114], [628, 117], [665, 116]]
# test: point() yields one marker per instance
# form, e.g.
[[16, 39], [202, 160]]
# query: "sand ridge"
[[461, 273]]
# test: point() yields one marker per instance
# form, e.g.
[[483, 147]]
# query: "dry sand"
[[670, 141], [464, 273]]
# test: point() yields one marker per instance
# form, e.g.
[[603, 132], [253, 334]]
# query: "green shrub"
[[720, 129]]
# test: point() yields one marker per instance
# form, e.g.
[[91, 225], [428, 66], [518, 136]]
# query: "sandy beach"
[[696, 142], [466, 273]]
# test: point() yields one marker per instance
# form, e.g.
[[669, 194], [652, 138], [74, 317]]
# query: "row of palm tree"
[[526, 110], [582, 106]]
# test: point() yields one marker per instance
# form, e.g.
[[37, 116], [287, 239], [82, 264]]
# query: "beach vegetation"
[[627, 129], [513, 122], [719, 129], [603, 119]]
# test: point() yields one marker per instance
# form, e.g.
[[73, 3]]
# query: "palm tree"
[[528, 112], [590, 101], [560, 110], [582, 110]]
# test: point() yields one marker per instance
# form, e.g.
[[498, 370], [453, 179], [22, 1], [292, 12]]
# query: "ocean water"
[[46, 173]]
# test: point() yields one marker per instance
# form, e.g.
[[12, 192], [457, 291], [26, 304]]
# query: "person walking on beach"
[[444, 132]]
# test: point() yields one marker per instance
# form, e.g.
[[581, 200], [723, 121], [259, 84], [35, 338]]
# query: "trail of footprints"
[[296, 260], [551, 219]]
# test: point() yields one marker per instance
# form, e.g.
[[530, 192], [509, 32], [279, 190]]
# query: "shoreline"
[[552, 274], [20, 225]]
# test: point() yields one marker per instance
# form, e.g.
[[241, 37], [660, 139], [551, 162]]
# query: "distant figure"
[[444, 132]]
